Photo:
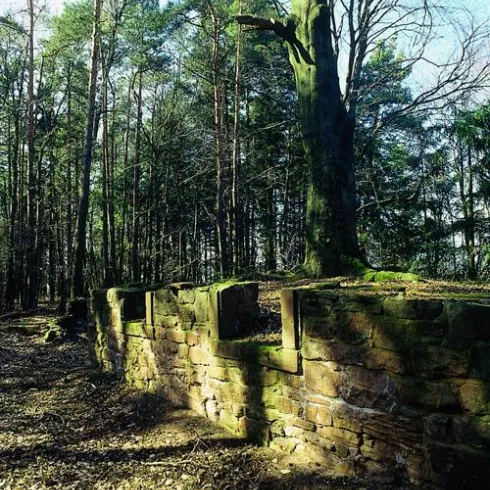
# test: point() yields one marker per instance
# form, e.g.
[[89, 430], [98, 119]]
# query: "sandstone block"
[[331, 350], [473, 395], [291, 336], [356, 327], [383, 359], [480, 361], [418, 392], [150, 313], [318, 415], [164, 303], [321, 377], [176, 335], [366, 303], [468, 322], [365, 388], [472, 430], [378, 450], [413, 309], [284, 445], [435, 361], [201, 305]]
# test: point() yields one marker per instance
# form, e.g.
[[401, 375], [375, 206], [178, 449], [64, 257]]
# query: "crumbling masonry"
[[387, 382]]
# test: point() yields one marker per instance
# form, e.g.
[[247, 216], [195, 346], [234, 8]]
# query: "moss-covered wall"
[[384, 382]]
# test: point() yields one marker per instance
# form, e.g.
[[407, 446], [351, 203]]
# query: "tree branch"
[[262, 24]]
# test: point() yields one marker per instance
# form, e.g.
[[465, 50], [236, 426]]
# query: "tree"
[[78, 286], [313, 34]]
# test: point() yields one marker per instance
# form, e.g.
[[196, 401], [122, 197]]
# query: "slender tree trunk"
[[106, 182], [236, 215], [79, 280], [469, 213], [125, 204], [218, 99], [135, 259], [30, 296]]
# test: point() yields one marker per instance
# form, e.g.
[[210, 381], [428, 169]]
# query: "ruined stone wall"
[[382, 381]]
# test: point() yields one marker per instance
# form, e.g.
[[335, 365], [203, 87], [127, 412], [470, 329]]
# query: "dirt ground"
[[65, 425]]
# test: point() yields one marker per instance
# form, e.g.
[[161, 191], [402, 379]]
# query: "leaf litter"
[[66, 425]]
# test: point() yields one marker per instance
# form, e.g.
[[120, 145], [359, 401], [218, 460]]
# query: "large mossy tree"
[[319, 32], [328, 131]]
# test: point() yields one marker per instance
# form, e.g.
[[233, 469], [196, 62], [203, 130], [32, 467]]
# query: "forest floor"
[[65, 425]]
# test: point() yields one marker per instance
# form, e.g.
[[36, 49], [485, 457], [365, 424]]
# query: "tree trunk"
[[81, 238], [30, 296], [328, 141], [219, 107], [135, 259], [328, 134]]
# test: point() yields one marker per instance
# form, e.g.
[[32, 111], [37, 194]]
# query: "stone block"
[[468, 322], [164, 302], [418, 392], [284, 444], [331, 350], [201, 305], [401, 335], [198, 355], [473, 395], [232, 392], [138, 329], [358, 302], [176, 335], [472, 430], [458, 467], [183, 351], [317, 303], [166, 321], [321, 444], [383, 359], [225, 348], [480, 361], [149, 307], [303, 424], [254, 430], [378, 450], [185, 295], [261, 376], [435, 362], [287, 360], [186, 315], [356, 327], [322, 378], [229, 420], [437, 426], [366, 388], [318, 414], [291, 335], [413, 309], [324, 327], [233, 308]]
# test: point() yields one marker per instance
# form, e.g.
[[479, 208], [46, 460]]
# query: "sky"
[[439, 50], [55, 6]]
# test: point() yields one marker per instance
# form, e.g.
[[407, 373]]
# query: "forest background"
[[151, 143]]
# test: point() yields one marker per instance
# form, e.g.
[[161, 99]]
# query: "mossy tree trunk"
[[328, 136]]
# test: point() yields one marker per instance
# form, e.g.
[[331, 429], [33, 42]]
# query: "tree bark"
[[79, 284], [328, 134]]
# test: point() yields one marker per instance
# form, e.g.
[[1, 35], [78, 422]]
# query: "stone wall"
[[384, 381]]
